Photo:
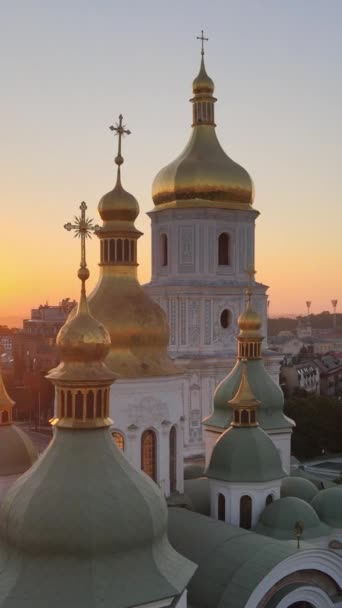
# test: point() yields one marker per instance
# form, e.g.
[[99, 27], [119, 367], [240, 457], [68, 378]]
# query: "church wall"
[[137, 405], [233, 492]]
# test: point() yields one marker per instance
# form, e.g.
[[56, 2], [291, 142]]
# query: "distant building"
[[47, 320], [320, 375]]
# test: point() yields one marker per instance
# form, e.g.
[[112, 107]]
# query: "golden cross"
[[121, 131], [202, 38], [83, 227], [251, 272]]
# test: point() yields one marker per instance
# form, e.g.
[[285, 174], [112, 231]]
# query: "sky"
[[69, 68]]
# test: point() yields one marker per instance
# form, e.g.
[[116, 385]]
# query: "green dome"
[[299, 488], [83, 528], [328, 506], [245, 454], [279, 518], [193, 471], [264, 388]]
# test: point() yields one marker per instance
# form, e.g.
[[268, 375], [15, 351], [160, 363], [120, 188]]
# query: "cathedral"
[[107, 516]]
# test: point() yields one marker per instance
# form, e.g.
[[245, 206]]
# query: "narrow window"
[[253, 419], [62, 404], [225, 318], [246, 512], [105, 251], [112, 250], [119, 440], [5, 417], [126, 250], [90, 405], [244, 417], [149, 454], [98, 404], [164, 250], [269, 500], [173, 459], [223, 249], [236, 416], [79, 405], [221, 507], [132, 251], [69, 405], [119, 250]]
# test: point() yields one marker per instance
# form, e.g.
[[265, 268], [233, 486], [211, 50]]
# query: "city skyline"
[[66, 80]]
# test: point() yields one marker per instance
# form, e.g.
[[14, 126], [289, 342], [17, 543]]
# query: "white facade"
[[258, 492], [203, 299], [138, 405]]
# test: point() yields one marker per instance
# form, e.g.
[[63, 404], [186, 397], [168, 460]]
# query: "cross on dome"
[[83, 227], [203, 39], [120, 131]]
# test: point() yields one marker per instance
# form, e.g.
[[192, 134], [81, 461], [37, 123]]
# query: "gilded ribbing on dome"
[[244, 403], [82, 378], [137, 325], [249, 322], [203, 175]]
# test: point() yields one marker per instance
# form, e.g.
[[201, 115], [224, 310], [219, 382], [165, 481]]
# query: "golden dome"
[[202, 83], [118, 205], [203, 175], [249, 321], [83, 338]]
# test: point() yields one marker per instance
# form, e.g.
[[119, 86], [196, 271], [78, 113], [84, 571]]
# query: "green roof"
[[231, 561], [270, 411], [245, 454], [193, 471], [197, 490], [84, 529], [298, 487], [328, 506], [279, 518]]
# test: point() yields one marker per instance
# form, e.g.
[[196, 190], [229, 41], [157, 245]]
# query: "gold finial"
[[251, 272], [203, 39], [120, 131], [83, 227]]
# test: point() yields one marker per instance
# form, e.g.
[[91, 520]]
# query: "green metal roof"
[[231, 561], [328, 506], [279, 518], [298, 487], [245, 454], [197, 490], [270, 412], [84, 529]]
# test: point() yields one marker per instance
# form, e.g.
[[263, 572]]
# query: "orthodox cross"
[[120, 131], [251, 272], [203, 39], [83, 227]]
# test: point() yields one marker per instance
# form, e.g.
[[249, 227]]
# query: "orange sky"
[[278, 113]]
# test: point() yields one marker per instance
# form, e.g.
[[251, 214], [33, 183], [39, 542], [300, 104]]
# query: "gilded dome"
[[118, 205], [83, 338], [203, 175], [202, 83], [249, 321]]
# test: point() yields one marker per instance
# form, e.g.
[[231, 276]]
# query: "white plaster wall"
[[233, 493], [151, 403]]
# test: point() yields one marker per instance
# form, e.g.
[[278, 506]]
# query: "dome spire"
[[249, 322], [82, 379], [203, 88], [202, 39], [244, 403]]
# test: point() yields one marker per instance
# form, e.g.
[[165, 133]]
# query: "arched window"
[[105, 256], [90, 405], [4, 417], [119, 440], [221, 507], [126, 250], [253, 418], [164, 250], [112, 250], [69, 405], [269, 500], [225, 318], [79, 405], [149, 454], [99, 404], [246, 512], [223, 249], [244, 417], [173, 459], [119, 250], [236, 416], [62, 404]]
